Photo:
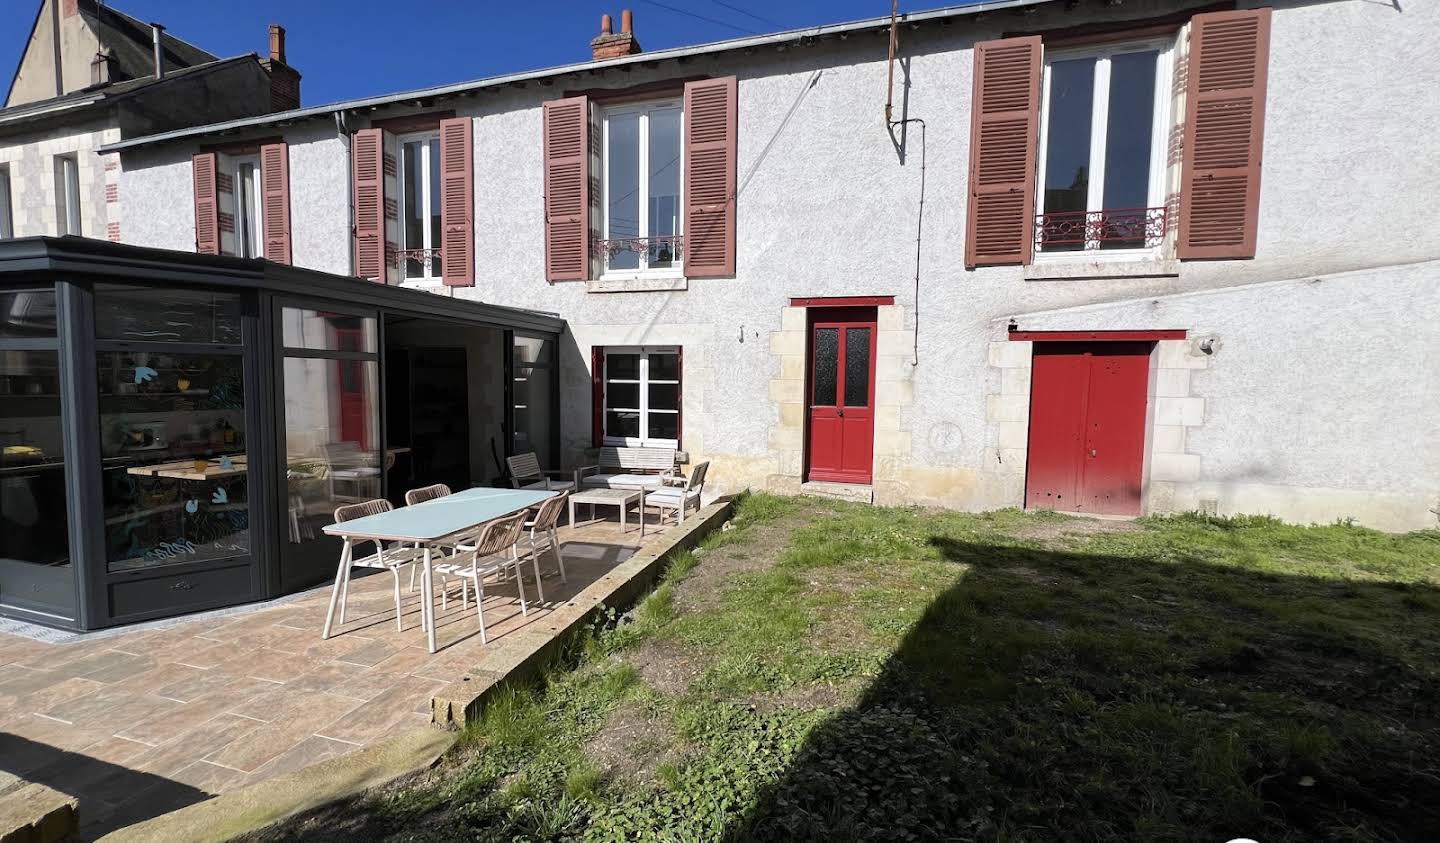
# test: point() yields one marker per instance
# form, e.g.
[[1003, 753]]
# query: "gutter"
[[780, 38]]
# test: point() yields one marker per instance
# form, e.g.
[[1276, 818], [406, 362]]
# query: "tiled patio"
[[140, 722]]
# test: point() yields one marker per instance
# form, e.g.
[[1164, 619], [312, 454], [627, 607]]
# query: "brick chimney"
[[284, 79], [609, 45]]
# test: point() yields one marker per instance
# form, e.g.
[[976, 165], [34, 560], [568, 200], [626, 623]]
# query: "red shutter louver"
[[275, 200], [457, 201], [368, 153], [1004, 132], [711, 139], [207, 204], [1225, 119], [567, 189]]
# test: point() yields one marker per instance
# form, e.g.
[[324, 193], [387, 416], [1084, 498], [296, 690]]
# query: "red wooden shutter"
[[1004, 130], [368, 152], [207, 203], [275, 200], [457, 201], [597, 394], [711, 116], [1225, 118], [567, 185]]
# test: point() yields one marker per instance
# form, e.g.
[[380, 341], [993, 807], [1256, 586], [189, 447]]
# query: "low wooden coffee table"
[[622, 498]]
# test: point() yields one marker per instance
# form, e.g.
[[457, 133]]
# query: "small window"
[[642, 396], [420, 208], [1102, 150], [641, 208], [7, 220], [67, 195], [249, 234]]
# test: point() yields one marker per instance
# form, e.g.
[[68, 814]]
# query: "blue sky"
[[350, 48]]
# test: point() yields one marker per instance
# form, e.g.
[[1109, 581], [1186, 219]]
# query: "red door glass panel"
[[1087, 426], [842, 397]]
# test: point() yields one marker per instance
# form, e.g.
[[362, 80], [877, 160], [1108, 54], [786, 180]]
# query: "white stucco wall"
[[827, 208]]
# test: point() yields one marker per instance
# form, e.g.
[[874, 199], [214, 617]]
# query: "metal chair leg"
[[519, 580], [559, 559], [335, 591]]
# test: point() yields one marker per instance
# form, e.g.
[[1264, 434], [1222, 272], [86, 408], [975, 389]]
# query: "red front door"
[[842, 395], [1087, 426]]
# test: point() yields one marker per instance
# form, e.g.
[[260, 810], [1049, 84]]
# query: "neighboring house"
[[1172, 256], [92, 75]]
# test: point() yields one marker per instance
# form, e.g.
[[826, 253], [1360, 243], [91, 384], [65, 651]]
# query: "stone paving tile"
[[283, 734], [208, 738], [384, 714], [121, 666], [191, 682], [109, 708], [211, 778], [41, 692], [312, 750]]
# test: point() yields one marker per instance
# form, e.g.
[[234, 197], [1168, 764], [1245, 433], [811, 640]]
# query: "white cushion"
[[668, 496], [623, 481]]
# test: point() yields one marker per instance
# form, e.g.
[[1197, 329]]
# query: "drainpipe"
[[342, 128], [55, 43], [155, 30]]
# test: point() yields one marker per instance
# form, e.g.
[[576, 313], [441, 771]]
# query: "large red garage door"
[[1087, 426]]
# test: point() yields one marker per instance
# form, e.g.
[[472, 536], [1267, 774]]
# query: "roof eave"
[[748, 42]]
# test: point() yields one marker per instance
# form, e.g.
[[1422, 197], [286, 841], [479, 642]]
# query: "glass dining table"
[[429, 524]]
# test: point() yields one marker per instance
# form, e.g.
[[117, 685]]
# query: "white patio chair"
[[678, 494], [391, 559], [493, 551], [542, 528], [526, 473], [421, 495]]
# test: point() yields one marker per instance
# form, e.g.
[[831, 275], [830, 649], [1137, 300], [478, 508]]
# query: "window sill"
[[1138, 266], [636, 283]]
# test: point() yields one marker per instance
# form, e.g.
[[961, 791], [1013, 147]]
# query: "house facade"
[[91, 75], [1138, 258]]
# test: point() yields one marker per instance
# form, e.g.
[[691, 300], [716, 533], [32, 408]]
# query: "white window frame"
[[643, 382], [426, 278], [249, 217], [7, 217], [67, 199], [643, 109], [1099, 114]]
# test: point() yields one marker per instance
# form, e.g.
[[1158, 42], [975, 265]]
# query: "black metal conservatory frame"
[[74, 266]]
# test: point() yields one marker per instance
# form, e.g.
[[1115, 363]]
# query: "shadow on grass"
[[1057, 695]]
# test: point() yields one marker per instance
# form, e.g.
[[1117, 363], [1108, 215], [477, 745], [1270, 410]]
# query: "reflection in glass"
[[622, 187], [323, 331], [413, 201], [331, 453], [664, 172], [857, 367], [1067, 141], [534, 380], [1128, 136], [162, 314], [27, 313], [172, 447], [622, 366], [622, 423], [664, 425], [827, 355], [34, 549]]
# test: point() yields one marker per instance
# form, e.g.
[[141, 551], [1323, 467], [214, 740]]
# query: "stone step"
[[34, 813], [839, 491]]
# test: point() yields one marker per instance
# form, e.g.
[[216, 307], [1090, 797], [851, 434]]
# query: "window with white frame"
[[420, 208], [7, 220], [1104, 121], [642, 161], [642, 396], [249, 221], [67, 195]]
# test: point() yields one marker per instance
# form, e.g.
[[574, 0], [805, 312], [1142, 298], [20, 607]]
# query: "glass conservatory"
[[175, 428]]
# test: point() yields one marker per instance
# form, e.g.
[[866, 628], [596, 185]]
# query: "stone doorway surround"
[[894, 393], [1170, 473]]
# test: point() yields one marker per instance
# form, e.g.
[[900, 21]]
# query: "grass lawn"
[[840, 672]]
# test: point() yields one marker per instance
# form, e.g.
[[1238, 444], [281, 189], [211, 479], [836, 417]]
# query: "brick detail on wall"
[[112, 193], [227, 222], [112, 232]]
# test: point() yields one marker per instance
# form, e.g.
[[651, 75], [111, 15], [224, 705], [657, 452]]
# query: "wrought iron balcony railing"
[[421, 255], [663, 249], [1124, 228]]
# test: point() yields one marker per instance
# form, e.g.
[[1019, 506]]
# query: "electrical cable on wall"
[[919, 229]]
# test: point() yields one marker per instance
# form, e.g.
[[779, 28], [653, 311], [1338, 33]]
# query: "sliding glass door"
[[330, 421]]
